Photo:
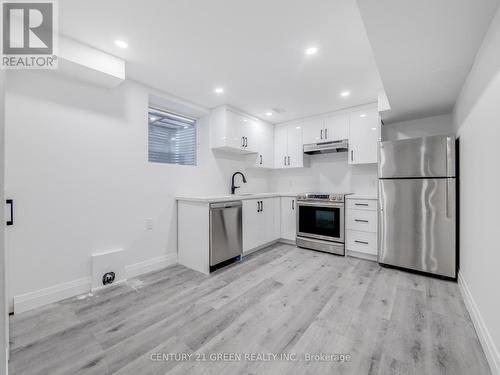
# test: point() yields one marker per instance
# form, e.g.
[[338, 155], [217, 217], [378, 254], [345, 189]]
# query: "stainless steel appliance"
[[320, 222], [417, 198], [326, 147], [225, 231]]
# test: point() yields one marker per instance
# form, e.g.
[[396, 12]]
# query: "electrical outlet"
[[149, 224], [108, 278]]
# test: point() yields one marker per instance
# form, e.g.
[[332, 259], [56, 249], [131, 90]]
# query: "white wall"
[[3, 307], [77, 167], [328, 173], [423, 127], [477, 120]]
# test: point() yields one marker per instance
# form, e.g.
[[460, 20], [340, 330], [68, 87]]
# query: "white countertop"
[[362, 196], [236, 197]]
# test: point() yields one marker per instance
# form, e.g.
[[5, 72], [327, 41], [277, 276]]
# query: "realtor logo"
[[29, 34]]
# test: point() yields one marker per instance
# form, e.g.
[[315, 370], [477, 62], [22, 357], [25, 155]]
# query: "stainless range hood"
[[326, 147]]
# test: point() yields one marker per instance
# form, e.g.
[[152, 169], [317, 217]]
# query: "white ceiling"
[[424, 50], [254, 49]]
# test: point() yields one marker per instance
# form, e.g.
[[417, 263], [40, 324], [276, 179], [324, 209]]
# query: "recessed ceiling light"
[[269, 114], [374, 128], [311, 51], [152, 118], [219, 90], [362, 116], [345, 94], [121, 43], [297, 127]]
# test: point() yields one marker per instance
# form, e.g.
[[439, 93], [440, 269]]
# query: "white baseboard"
[[101, 287], [150, 265], [490, 350], [358, 254], [245, 253], [41, 297], [289, 242]]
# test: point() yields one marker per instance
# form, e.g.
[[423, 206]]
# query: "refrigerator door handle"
[[447, 198], [450, 167], [380, 223]]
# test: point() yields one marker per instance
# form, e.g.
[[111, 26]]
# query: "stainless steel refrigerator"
[[417, 199]]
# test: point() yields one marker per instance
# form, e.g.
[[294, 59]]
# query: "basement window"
[[172, 138]]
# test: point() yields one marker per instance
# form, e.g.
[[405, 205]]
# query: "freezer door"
[[417, 225], [418, 157]]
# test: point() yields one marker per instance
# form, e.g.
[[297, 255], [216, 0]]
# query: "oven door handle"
[[320, 204]]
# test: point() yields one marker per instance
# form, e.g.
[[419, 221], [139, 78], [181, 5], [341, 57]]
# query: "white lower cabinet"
[[260, 222], [288, 222], [362, 242], [361, 228]]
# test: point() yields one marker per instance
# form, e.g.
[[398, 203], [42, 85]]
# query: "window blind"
[[172, 138]]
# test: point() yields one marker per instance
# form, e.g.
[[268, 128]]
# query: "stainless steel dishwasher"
[[225, 231]]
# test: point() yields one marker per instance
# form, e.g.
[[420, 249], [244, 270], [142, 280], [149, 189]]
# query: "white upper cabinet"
[[337, 127], [288, 146], [295, 147], [325, 129], [251, 134], [281, 146], [364, 134], [233, 131], [264, 134], [312, 131]]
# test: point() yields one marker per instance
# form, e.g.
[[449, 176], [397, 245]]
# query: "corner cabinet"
[[233, 131], [288, 146], [264, 158], [364, 135]]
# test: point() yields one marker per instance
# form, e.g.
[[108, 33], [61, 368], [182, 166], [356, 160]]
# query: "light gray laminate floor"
[[280, 300]]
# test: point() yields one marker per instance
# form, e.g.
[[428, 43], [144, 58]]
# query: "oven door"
[[321, 220]]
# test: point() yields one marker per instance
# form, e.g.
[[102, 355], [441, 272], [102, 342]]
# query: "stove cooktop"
[[335, 197]]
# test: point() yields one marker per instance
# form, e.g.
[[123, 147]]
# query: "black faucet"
[[233, 188]]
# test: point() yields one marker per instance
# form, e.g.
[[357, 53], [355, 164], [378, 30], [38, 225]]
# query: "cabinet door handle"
[[260, 159], [361, 221], [242, 141], [326, 133], [284, 160], [10, 202], [352, 155], [363, 242], [289, 160], [321, 134], [293, 204], [361, 204], [258, 206], [261, 206]]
